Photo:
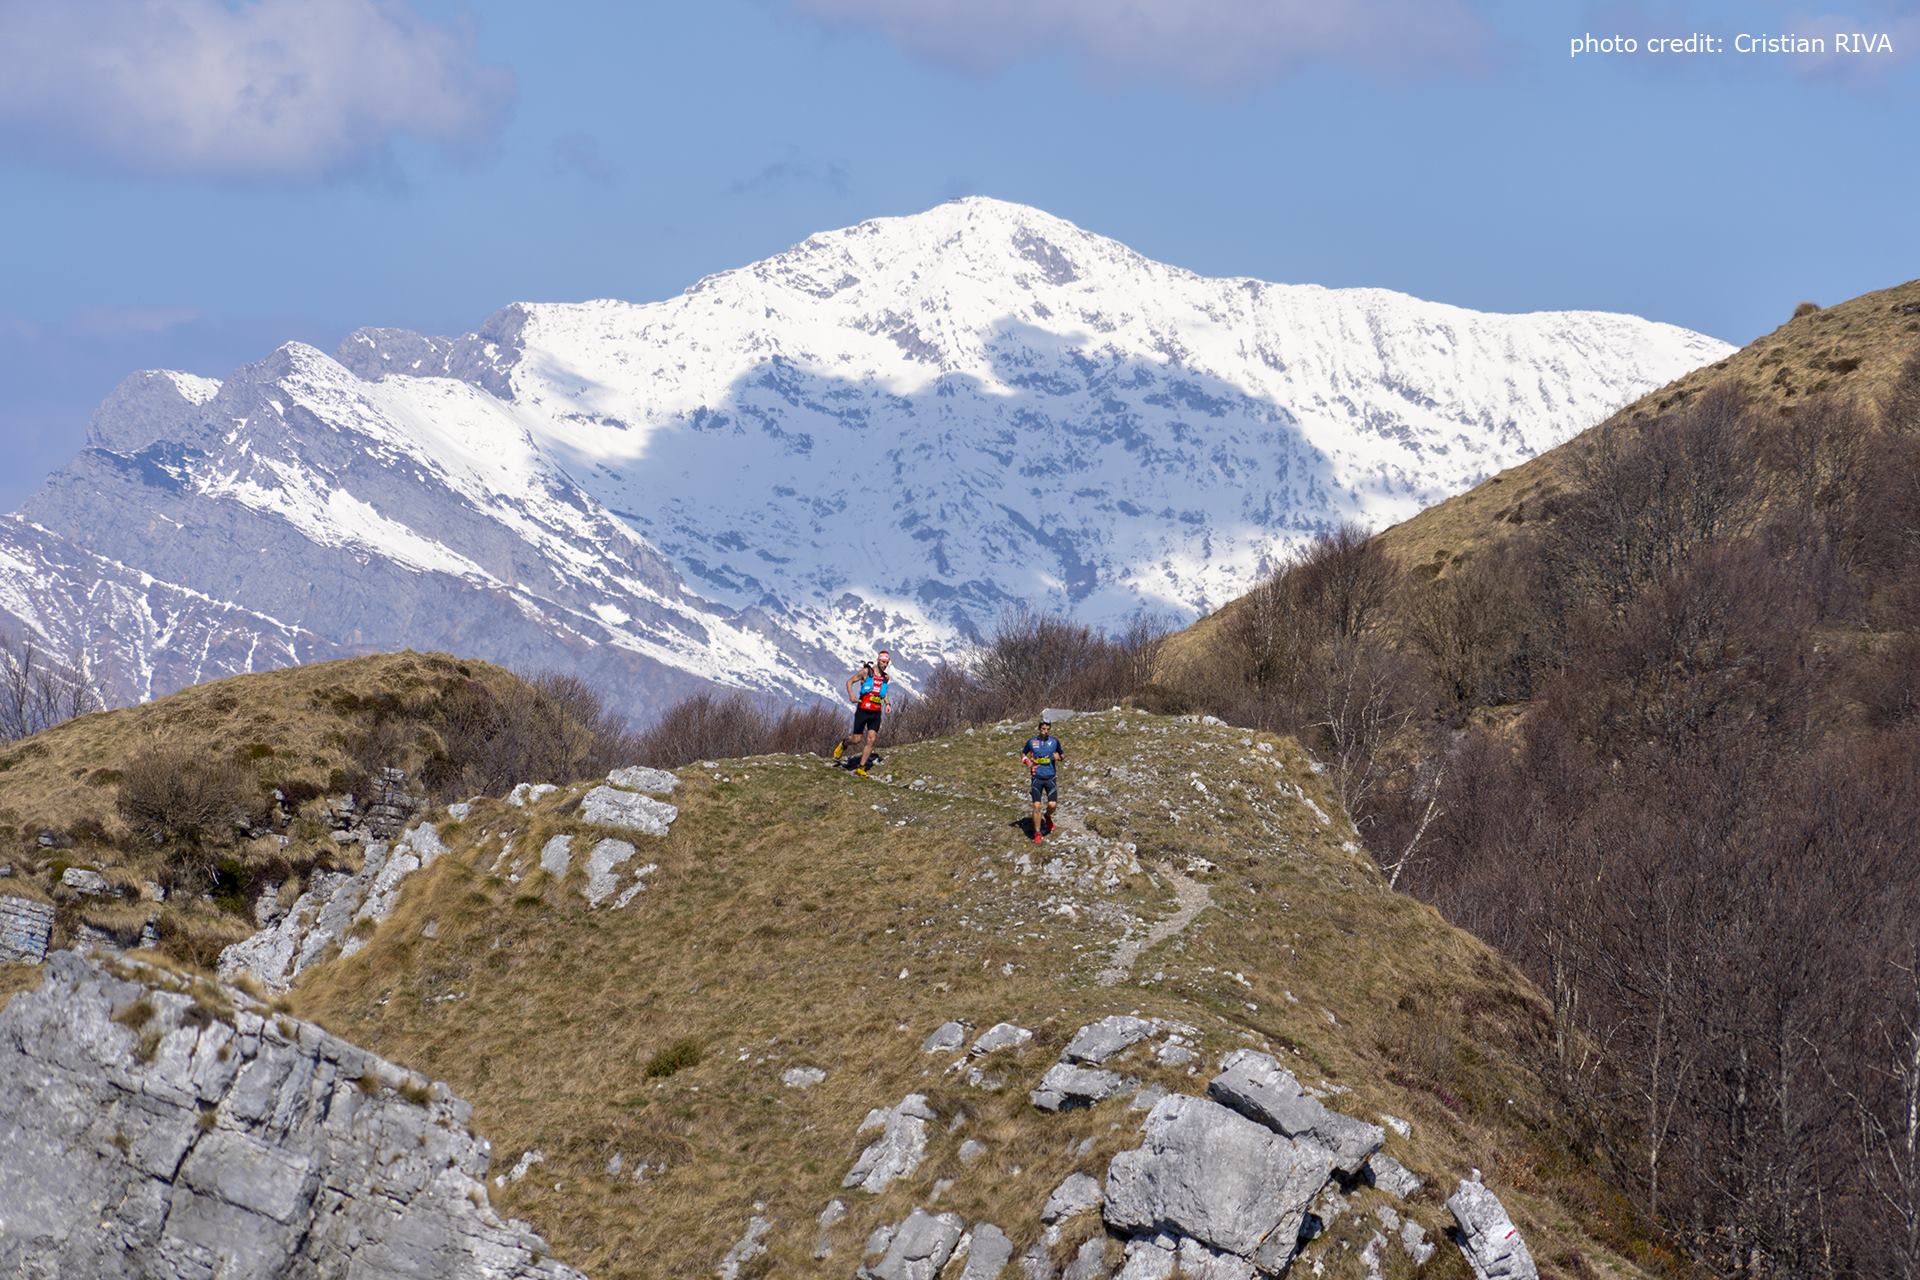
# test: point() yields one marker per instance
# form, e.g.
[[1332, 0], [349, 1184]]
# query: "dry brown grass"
[[789, 900], [282, 725], [15, 978]]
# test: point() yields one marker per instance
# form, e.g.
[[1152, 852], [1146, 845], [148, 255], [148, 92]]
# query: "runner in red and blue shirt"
[[867, 690]]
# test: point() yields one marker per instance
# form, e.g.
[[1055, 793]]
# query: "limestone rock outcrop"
[[1212, 1175], [325, 915], [147, 1130], [1259, 1088], [1488, 1237]]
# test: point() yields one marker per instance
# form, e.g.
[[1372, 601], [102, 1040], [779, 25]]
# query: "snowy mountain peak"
[[898, 429]]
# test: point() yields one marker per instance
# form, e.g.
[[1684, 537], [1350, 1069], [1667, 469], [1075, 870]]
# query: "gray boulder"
[[1001, 1035], [1392, 1177], [1215, 1176], [919, 1248], [1158, 1258], [1261, 1089], [946, 1038], [1488, 1237], [627, 810], [556, 856], [899, 1149], [1066, 1086], [1089, 1261], [1074, 1196], [636, 777], [186, 1140], [1095, 1043], [527, 793], [86, 881], [988, 1253]]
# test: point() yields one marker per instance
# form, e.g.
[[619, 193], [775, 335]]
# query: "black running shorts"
[[865, 720], [1047, 789]]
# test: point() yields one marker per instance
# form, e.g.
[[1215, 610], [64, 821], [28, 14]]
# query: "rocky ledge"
[[152, 1125]]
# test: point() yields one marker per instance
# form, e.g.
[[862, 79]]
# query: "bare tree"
[[37, 692]]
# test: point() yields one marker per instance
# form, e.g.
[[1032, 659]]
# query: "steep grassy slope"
[[1855, 348], [800, 917]]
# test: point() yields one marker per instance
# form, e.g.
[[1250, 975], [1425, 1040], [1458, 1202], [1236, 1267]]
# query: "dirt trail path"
[[1193, 898]]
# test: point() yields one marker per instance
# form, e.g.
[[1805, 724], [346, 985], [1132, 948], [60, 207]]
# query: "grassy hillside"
[[286, 726], [1856, 348], [800, 917], [313, 733]]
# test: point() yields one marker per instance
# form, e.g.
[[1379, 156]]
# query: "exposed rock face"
[[627, 810], [919, 1248], [1215, 1176], [1001, 1035], [1158, 1257], [899, 1149], [988, 1252], [637, 777], [1392, 1177], [233, 1145], [26, 926], [946, 1038], [748, 1247], [1095, 1043], [556, 856], [1074, 1196], [1066, 1086], [1261, 1089], [1488, 1237], [327, 912]]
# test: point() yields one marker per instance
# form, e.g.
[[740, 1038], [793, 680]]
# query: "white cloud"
[[274, 89], [1208, 44]]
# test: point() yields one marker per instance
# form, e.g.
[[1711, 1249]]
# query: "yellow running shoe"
[[859, 773], [839, 749]]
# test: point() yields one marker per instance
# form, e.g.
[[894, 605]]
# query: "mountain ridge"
[[896, 431]]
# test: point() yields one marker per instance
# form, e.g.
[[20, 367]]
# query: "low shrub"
[[676, 1057], [181, 797]]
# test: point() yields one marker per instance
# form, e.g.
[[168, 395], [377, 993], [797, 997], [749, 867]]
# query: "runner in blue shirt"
[[1043, 755]]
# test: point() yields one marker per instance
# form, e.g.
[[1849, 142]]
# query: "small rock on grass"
[[637, 777], [1066, 1086], [1001, 1035], [946, 1038]]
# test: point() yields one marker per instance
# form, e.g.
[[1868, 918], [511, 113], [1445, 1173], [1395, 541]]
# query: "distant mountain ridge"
[[892, 431]]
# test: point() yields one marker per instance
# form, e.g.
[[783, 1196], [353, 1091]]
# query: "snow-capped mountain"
[[893, 431]]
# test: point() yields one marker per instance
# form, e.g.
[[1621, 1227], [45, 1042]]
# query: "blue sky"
[[188, 184]]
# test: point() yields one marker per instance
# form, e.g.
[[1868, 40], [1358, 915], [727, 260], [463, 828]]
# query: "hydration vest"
[[873, 693]]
